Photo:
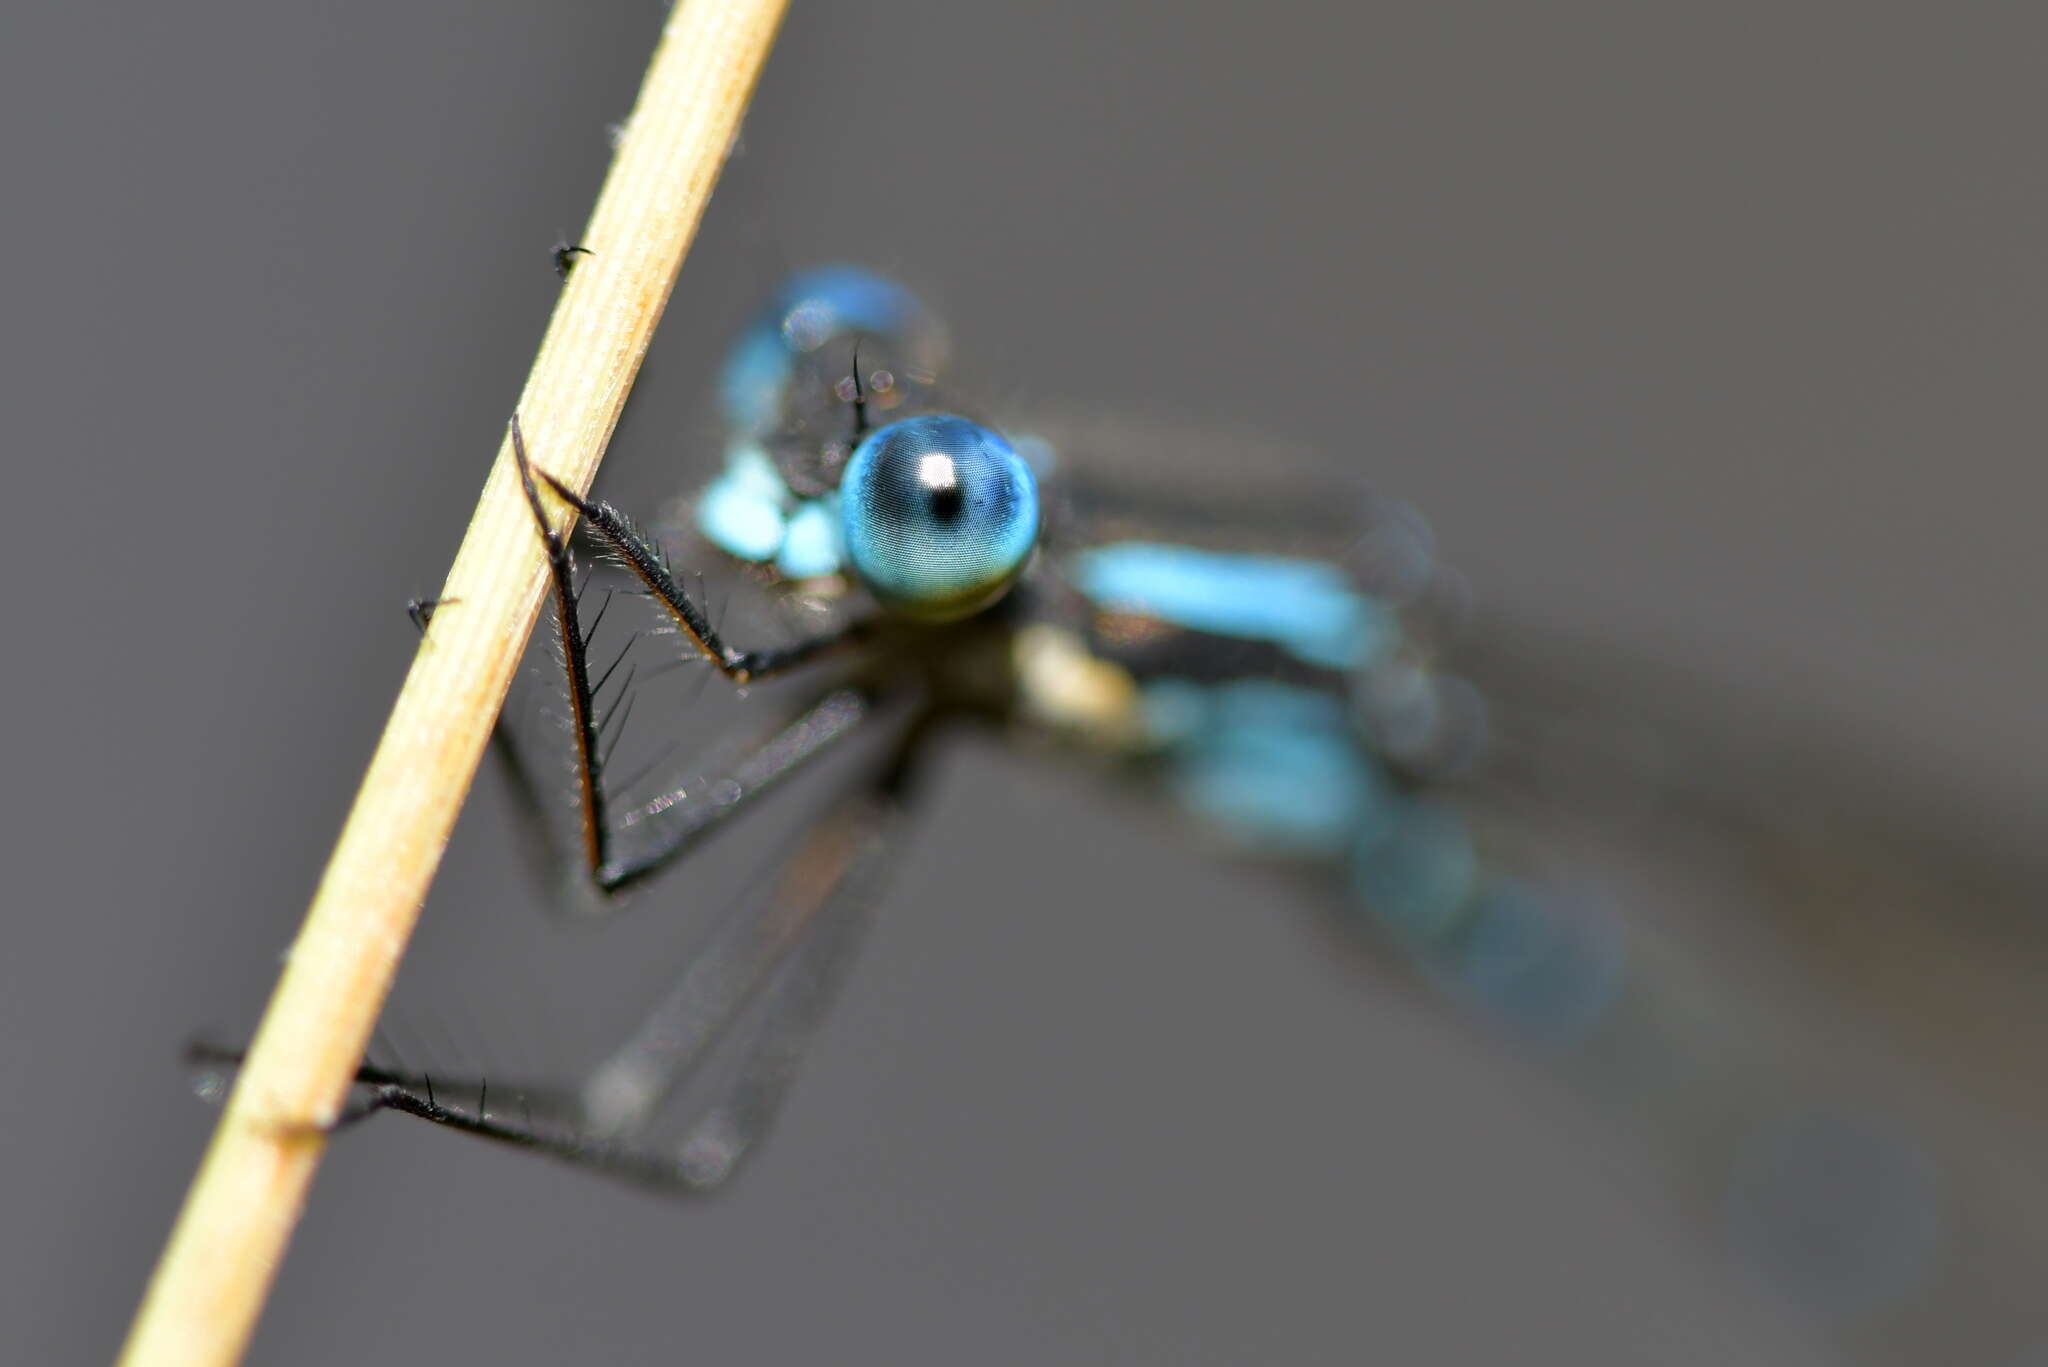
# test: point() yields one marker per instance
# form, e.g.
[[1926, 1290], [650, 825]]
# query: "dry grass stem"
[[204, 1299]]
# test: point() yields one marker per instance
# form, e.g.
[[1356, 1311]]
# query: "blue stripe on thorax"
[[1307, 607]]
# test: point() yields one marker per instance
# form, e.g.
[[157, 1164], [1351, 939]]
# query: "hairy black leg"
[[680, 818], [786, 956], [583, 726], [647, 561], [213, 1064], [672, 822], [555, 1122]]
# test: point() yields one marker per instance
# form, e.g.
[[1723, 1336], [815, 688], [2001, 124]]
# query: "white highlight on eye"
[[937, 473]]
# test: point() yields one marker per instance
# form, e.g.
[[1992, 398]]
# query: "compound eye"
[[940, 516]]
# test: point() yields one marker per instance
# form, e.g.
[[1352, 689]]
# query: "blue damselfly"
[[1815, 1017]]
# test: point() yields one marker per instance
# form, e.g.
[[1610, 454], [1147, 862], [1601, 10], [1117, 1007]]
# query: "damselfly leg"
[[772, 962], [683, 820], [783, 958]]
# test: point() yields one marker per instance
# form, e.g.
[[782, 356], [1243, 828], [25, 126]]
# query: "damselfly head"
[[835, 339]]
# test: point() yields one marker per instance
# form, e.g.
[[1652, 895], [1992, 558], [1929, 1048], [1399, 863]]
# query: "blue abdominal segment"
[[1306, 607], [1533, 959], [1274, 765], [1416, 872], [1284, 771]]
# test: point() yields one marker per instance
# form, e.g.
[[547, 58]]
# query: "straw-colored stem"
[[204, 1299]]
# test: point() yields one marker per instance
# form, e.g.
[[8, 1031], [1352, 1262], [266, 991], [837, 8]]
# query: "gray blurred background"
[[1716, 329]]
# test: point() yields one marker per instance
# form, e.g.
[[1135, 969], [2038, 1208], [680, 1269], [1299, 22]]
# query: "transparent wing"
[[1827, 986], [1110, 478]]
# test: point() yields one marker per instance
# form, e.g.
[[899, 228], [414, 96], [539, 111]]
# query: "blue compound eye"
[[940, 515]]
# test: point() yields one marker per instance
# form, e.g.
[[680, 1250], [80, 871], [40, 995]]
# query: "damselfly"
[[1819, 1018]]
